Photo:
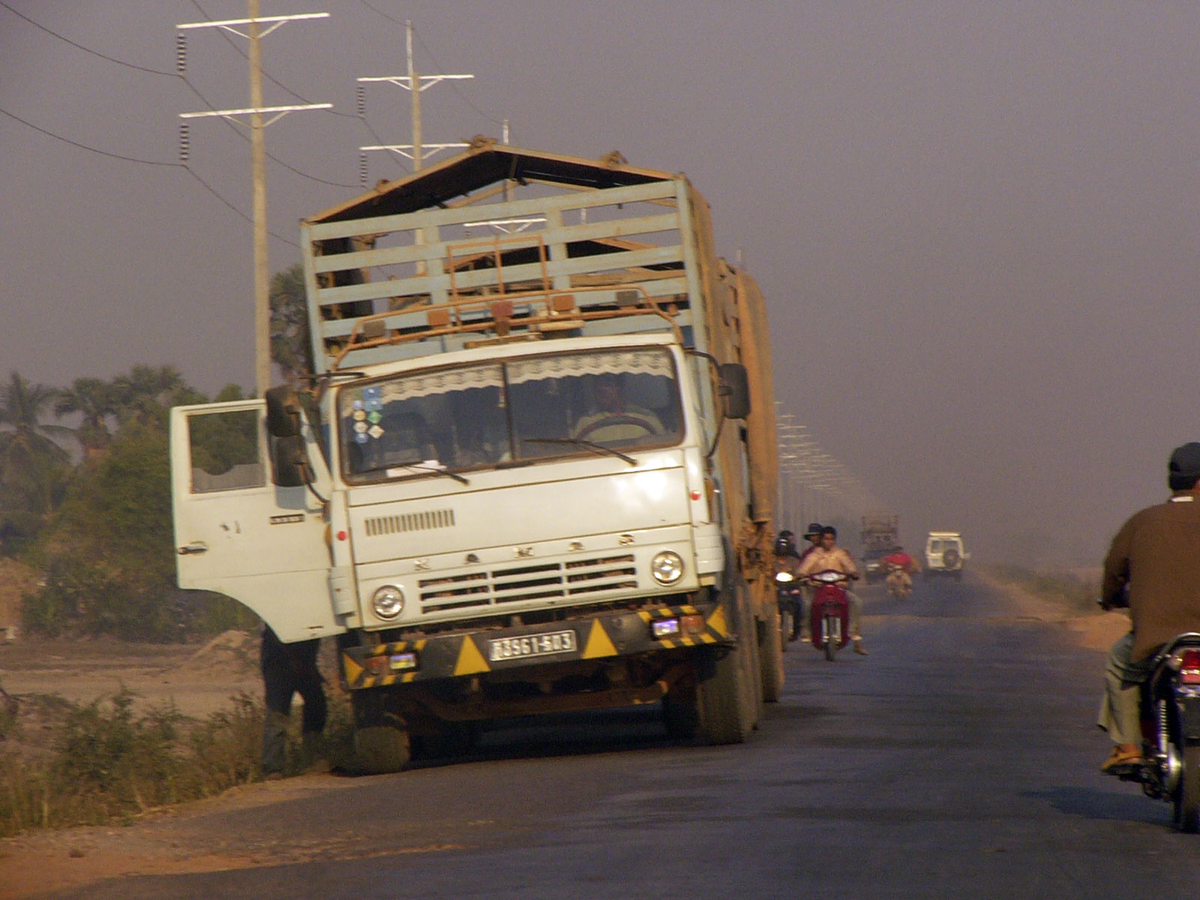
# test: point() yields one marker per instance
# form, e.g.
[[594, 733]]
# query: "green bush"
[[110, 764]]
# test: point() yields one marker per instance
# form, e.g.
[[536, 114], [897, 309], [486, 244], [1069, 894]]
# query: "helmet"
[[785, 544]]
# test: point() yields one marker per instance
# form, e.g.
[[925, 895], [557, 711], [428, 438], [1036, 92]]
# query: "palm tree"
[[96, 401], [32, 465], [290, 346], [143, 395]]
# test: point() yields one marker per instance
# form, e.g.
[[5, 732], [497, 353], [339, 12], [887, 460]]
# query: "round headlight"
[[666, 567], [388, 601]]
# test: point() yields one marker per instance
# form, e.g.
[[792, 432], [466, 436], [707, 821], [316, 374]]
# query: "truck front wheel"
[[728, 692], [381, 743]]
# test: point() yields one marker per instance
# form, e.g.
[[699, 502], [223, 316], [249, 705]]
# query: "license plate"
[[532, 645]]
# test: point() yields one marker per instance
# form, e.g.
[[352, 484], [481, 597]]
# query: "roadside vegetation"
[[108, 764]]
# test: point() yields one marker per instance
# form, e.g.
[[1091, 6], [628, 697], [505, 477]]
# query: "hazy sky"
[[975, 222]]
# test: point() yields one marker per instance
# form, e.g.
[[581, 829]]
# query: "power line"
[[59, 137], [111, 59], [213, 191], [438, 67], [145, 162]]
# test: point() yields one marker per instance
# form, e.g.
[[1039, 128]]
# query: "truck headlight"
[[666, 567], [388, 601]]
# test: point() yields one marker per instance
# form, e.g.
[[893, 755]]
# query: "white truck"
[[533, 468]]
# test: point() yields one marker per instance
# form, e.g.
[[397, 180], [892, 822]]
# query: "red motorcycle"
[[830, 615]]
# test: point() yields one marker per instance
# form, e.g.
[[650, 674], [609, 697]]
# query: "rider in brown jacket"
[[1156, 554]]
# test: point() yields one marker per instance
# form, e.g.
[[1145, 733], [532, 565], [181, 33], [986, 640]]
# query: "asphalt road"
[[958, 760]]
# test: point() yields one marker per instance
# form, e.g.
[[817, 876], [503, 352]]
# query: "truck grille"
[[529, 581]]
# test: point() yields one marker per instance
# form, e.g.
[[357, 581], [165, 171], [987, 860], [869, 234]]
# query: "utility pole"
[[415, 84], [256, 110]]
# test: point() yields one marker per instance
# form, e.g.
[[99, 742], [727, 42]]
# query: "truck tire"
[[381, 743], [771, 642], [680, 712], [950, 559], [729, 692], [381, 749], [448, 740]]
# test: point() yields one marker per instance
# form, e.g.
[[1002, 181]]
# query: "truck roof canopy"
[[483, 164]]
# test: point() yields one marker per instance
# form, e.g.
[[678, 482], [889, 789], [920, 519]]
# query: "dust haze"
[[975, 223]]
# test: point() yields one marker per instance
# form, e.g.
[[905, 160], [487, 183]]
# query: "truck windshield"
[[479, 416]]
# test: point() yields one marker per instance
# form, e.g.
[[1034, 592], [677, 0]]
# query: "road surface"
[[958, 760]]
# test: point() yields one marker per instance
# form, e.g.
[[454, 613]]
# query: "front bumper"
[[495, 650]]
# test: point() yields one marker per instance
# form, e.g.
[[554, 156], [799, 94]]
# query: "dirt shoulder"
[[1093, 630], [197, 680]]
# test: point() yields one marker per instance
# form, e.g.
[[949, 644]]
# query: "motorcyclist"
[[812, 534], [1159, 545], [830, 556], [787, 559], [901, 567]]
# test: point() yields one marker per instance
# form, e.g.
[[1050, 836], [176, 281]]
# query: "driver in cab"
[[615, 419]]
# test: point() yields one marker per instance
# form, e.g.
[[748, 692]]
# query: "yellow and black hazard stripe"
[[620, 633]]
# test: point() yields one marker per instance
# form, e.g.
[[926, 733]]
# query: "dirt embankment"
[[1093, 630]]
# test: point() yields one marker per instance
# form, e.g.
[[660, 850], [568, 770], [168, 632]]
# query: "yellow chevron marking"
[[717, 622], [644, 616], [598, 643], [353, 670], [470, 660]]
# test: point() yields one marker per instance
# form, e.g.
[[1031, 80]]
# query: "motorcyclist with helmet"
[[1152, 567], [829, 556], [787, 559]]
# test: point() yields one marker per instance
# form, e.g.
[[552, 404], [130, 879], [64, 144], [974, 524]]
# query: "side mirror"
[[283, 412], [289, 461], [734, 389]]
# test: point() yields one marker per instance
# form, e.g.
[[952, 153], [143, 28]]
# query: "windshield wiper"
[[420, 467], [590, 445]]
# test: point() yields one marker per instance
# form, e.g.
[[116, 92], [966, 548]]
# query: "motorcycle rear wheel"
[[1187, 795]]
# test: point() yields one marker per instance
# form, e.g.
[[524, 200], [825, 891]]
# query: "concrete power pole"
[[256, 110], [415, 84]]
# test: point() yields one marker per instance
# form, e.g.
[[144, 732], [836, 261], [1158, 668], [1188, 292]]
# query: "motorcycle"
[[830, 614], [1170, 705], [899, 582], [788, 592]]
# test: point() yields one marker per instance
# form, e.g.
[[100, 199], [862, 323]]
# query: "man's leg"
[[278, 689], [311, 688], [856, 622], [1119, 707]]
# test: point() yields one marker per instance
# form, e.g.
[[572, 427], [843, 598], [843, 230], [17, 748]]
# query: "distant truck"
[[879, 534], [534, 468], [944, 555]]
